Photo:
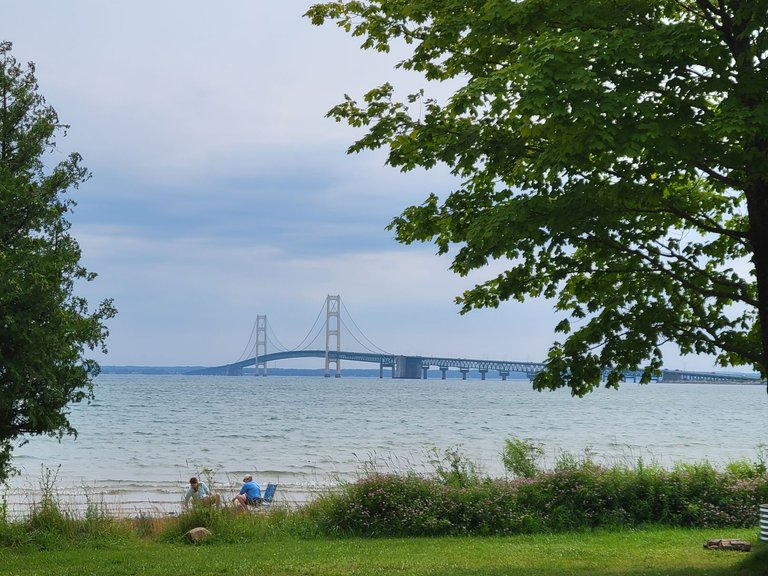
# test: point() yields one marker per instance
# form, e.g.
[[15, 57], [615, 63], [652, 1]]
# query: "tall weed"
[[522, 457], [50, 524], [453, 468]]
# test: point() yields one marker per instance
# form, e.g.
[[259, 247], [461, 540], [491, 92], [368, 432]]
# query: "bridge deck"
[[416, 366]]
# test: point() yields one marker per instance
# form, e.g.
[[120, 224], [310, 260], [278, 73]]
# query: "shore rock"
[[738, 545], [198, 534]]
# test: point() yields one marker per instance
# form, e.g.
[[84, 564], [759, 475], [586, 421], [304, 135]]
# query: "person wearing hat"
[[250, 493]]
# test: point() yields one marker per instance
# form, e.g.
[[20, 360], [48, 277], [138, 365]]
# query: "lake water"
[[143, 436]]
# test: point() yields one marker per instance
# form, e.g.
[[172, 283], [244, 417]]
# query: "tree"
[[612, 153], [45, 329]]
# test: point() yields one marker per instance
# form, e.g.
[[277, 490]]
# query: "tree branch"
[[736, 291]]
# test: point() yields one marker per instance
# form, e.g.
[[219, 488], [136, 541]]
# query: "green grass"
[[621, 553]]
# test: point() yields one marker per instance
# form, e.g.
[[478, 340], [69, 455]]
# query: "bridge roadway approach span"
[[416, 367], [413, 367]]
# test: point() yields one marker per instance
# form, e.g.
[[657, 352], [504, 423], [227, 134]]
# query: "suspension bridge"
[[256, 355]]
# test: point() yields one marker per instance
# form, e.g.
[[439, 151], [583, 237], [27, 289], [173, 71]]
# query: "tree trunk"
[[750, 92], [757, 205]]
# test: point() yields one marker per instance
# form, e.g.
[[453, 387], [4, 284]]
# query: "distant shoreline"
[[371, 373]]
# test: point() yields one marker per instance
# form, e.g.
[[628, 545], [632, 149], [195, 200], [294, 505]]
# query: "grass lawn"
[[637, 552]]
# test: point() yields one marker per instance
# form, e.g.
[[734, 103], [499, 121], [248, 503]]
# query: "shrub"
[[521, 457], [578, 496], [410, 505]]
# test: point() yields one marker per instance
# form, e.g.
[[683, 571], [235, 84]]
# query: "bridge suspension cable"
[[274, 340], [366, 348], [376, 348], [320, 330], [248, 347], [319, 314], [312, 336]]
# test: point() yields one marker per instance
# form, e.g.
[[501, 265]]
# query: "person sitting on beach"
[[250, 493], [199, 492]]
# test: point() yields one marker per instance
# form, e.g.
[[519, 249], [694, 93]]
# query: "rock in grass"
[[196, 535], [738, 545]]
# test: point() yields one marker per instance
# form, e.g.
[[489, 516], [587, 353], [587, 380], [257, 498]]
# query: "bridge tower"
[[332, 330], [261, 343]]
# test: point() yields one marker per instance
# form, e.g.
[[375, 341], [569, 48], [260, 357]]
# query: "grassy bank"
[[635, 552]]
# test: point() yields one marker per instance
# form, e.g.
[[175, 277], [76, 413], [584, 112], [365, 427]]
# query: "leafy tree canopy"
[[613, 153], [45, 329]]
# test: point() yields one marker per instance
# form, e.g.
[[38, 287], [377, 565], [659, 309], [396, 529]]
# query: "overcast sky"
[[220, 191]]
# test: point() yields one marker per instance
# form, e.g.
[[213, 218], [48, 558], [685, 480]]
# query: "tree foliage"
[[45, 329], [612, 153]]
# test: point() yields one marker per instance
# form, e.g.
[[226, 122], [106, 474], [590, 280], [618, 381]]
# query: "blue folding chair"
[[266, 498], [269, 494]]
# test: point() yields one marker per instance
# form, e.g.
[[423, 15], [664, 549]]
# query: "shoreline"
[[126, 503]]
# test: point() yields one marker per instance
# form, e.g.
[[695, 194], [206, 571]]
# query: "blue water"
[[144, 436]]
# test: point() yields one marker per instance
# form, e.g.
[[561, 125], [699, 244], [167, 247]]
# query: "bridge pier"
[[407, 367], [332, 331], [424, 370], [464, 372], [443, 372], [483, 372], [503, 375]]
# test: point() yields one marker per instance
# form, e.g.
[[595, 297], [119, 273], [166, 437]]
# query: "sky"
[[220, 191]]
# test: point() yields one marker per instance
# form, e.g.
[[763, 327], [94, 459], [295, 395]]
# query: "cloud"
[[221, 191], [192, 300]]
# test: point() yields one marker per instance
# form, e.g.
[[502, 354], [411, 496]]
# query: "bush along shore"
[[575, 494]]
